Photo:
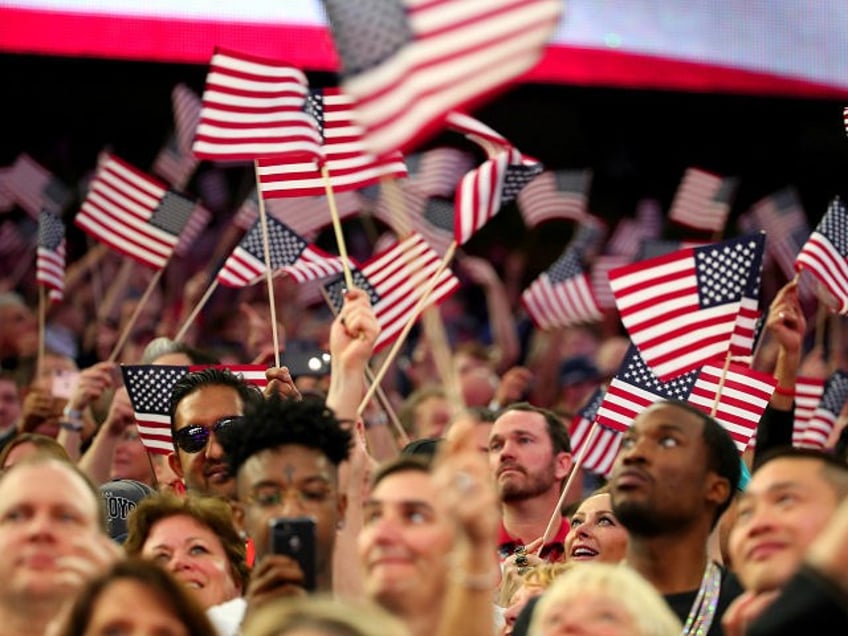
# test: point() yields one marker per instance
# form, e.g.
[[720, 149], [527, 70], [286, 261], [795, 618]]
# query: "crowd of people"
[[452, 505]]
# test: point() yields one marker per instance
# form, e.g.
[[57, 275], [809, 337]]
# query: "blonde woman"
[[604, 600]]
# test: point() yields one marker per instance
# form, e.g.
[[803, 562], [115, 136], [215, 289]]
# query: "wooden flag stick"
[[269, 274], [406, 328], [553, 526], [721, 382], [197, 309], [136, 313], [42, 327], [337, 226]]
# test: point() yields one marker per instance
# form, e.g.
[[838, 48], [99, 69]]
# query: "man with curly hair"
[[285, 456]]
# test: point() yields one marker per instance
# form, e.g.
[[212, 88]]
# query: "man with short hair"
[[52, 540], [529, 456], [673, 478], [202, 403], [285, 456], [792, 495]]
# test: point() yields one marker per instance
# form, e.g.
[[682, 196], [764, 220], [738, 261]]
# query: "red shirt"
[[551, 551]]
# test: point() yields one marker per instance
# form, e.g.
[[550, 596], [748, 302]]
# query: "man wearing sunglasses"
[[203, 403]]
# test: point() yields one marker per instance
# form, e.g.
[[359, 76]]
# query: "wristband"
[[784, 391], [75, 427], [72, 415]]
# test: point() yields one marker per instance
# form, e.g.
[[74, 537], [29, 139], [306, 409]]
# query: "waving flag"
[[194, 227], [749, 319], [407, 63], [50, 262], [347, 162], [808, 394], [782, 217], [431, 217], [34, 188], [561, 194], [703, 200], [395, 281], [133, 213], [149, 387], [562, 295], [825, 254], [821, 423], [604, 444], [600, 279], [436, 172], [290, 253], [743, 399], [173, 164], [254, 108], [186, 105], [681, 308]]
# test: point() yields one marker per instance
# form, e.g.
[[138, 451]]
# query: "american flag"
[[7, 198], [149, 387], [562, 295], [743, 398], [407, 63], [304, 215], [599, 277], [395, 280], [35, 188], [290, 253], [604, 444], [348, 164], [50, 262], [629, 234], [588, 238], [748, 320], [197, 222], [825, 254], [561, 194], [782, 217], [12, 241], [186, 105], [702, 200], [436, 172], [821, 423], [481, 134], [482, 192], [808, 394], [173, 164], [432, 217], [133, 213], [681, 308], [254, 108]]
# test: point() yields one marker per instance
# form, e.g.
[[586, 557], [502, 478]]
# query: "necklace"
[[704, 608]]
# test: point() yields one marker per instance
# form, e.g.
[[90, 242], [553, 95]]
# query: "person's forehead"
[[216, 400], [787, 471], [518, 420], [668, 415], [25, 483], [406, 486], [284, 463]]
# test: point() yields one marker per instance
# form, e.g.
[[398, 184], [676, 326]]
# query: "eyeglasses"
[[193, 438]]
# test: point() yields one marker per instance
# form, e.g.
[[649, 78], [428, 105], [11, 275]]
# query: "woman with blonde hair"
[[604, 600]]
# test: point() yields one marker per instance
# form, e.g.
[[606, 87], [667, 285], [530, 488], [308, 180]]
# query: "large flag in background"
[[562, 295], [133, 213], [782, 217], [681, 308], [702, 200], [604, 444], [396, 280], [407, 63], [825, 254], [304, 215], [743, 399], [821, 423], [348, 164], [808, 394], [254, 108], [50, 260], [290, 253], [35, 188], [559, 194], [149, 387]]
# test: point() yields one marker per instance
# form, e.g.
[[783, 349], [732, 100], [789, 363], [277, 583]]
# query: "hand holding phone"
[[295, 537]]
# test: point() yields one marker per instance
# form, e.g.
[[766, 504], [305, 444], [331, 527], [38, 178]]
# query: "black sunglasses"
[[193, 438]]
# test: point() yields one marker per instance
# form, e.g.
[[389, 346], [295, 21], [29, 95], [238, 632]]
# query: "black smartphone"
[[308, 362], [295, 537]]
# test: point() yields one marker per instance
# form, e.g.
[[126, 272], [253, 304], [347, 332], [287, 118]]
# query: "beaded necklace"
[[704, 608]]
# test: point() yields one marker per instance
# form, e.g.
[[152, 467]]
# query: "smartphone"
[[64, 383], [307, 362], [295, 537]]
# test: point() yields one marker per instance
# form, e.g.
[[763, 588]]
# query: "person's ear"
[[176, 466], [718, 489], [341, 510], [563, 462]]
